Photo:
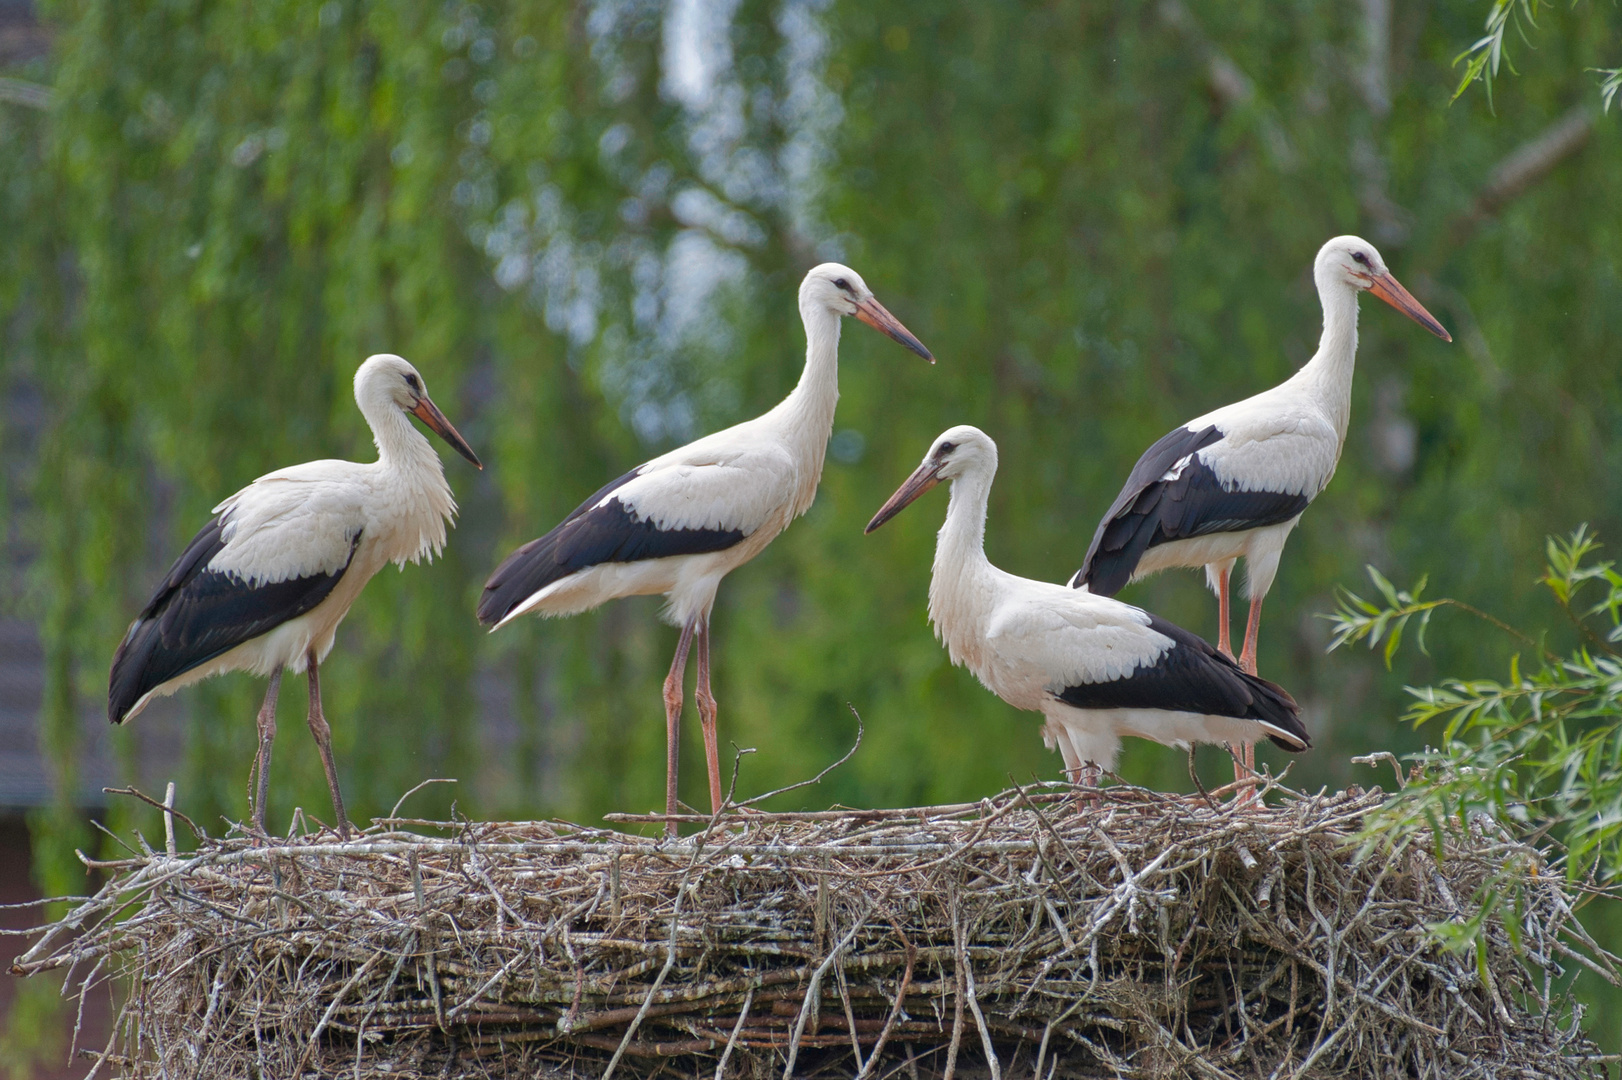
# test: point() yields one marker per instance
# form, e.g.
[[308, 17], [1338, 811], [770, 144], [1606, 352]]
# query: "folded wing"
[[1174, 493], [205, 607], [657, 511]]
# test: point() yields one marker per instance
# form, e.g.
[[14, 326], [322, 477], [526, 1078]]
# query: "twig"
[[150, 801], [895, 1010], [395, 813], [169, 820], [813, 990], [974, 1003], [315, 1036], [726, 1054], [817, 779]]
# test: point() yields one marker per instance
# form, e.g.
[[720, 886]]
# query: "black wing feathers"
[[1151, 510], [198, 614], [1194, 677], [592, 534]]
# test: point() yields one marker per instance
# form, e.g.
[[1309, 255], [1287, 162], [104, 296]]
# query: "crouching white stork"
[[1235, 481], [680, 523], [1096, 668], [264, 585]]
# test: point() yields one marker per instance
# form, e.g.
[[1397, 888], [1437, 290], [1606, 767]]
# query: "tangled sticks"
[[1148, 936]]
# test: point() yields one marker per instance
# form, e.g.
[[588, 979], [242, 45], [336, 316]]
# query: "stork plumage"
[[263, 586], [680, 523], [1235, 481], [1096, 668]]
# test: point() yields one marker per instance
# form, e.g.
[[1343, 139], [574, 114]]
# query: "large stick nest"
[[1146, 935]]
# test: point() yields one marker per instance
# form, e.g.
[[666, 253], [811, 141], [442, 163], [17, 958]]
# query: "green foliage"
[[33, 1037], [1608, 86], [231, 205], [1482, 58], [1535, 758], [1540, 752]]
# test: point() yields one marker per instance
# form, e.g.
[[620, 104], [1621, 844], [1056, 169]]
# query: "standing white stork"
[[1096, 668], [680, 523], [263, 586], [1235, 481]]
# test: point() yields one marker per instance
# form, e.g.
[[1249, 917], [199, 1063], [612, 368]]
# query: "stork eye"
[[842, 284], [945, 448], [1358, 256], [414, 382]]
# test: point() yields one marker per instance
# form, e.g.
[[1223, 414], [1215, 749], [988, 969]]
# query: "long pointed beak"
[[873, 314], [1390, 290], [429, 413], [923, 478]]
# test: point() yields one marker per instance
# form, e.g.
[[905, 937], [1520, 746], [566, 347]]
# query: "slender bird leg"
[[1223, 643], [1247, 659], [673, 696], [260, 780], [1244, 759], [323, 742], [1247, 662], [1087, 792], [706, 716]]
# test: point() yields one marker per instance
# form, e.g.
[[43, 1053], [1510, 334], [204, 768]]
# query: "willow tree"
[[586, 224]]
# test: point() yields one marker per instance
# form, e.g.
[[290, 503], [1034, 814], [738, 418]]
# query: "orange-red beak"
[[1390, 290], [429, 413], [922, 479], [873, 314]]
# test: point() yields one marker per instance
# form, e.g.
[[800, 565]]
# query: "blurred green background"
[[585, 224]]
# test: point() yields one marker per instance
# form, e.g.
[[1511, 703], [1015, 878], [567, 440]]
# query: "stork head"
[[961, 451], [387, 381], [841, 290], [1352, 262]]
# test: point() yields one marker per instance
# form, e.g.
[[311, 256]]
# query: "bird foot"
[[343, 829], [1244, 792], [1088, 794]]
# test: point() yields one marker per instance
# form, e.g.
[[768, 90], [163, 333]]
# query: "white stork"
[[1235, 481], [263, 586], [1096, 668], [678, 524]]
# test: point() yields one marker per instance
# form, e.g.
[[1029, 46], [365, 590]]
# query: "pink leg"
[[1247, 662], [1247, 659], [706, 715], [1088, 795], [1224, 645], [323, 741], [673, 696], [260, 783]]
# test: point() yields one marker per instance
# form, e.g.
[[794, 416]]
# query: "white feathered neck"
[[962, 584], [418, 503], [1327, 377]]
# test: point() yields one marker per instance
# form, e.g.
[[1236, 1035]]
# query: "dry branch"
[[1525, 166], [1146, 936]]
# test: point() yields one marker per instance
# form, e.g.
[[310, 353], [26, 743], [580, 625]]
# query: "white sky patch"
[[698, 49], [811, 112], [655, 311]]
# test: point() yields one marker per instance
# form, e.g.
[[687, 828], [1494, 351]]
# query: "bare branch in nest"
[[817, 779], [168, 807], [1145, 935], [731, 806]]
